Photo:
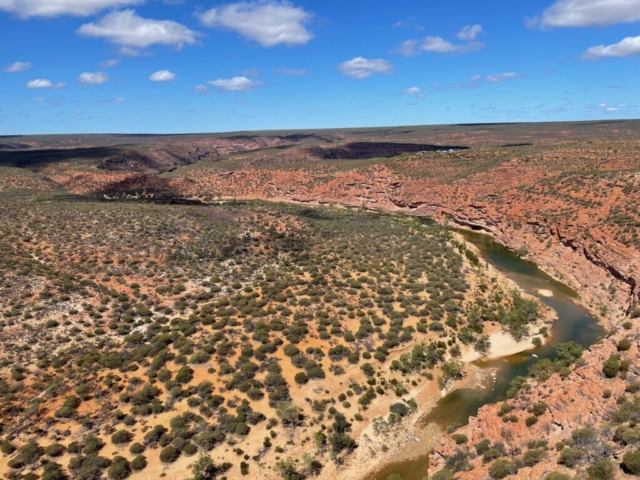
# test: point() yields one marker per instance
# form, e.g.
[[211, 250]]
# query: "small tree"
[[611, 366], [120, 468], [368, 369], [169, 454], [287, 469], [482, 345], [289, 413], [121, 436], [53, 471], [502, 468], [205, 469]]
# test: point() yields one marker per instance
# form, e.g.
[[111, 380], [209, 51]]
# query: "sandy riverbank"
[[502, 345], [408, 440]]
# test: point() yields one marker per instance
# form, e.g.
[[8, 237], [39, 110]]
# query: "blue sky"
[[171, 66]]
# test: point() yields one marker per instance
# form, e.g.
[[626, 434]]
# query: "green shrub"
[[530, 421], [30, 452], [443, 474], [533, 457], [502, 468], [624, 345], [184, 375], [400, 409], [139, 463], [490, 455], [631, 462], [136, 448], [603, 470], [169, 454], [53, 471], [368, 369], [459, 438], [539, 408], [557, 476], [121, 436], [611, 366], [570, 457], [190, 449], [120, 468], [55, 450], [483, 446]]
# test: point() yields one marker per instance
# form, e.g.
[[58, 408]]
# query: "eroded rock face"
[[575, 401], [585, 258]]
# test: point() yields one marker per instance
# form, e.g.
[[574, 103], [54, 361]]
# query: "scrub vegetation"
[[137, 336]]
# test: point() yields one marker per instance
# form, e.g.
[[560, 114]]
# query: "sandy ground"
[[403, 442], [502, 345]]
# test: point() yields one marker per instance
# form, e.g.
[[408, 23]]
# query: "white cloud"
[[200, 89], [110, 63], [89, 78], [606, 108], [627, 47], [291, 71], [39, 99], [129, 52], [409, 48], [55, 8], [40, 83], [360, 68], [588, 13], [267, 22], [118, 100], [18, 66], [131, 30], [476, 80], [437, 45], [235, 84], [470, 32], [44, 83], [162, 76], [411, 23], [417, 91], [501, 77]]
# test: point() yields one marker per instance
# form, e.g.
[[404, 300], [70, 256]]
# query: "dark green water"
[[574, 324]]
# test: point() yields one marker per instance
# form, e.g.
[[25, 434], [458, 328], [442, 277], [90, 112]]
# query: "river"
[[574, 324]]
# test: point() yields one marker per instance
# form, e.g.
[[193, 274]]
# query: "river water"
[[574, 324]]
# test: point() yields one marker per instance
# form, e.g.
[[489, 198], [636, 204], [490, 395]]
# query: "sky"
[[178, 66]]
